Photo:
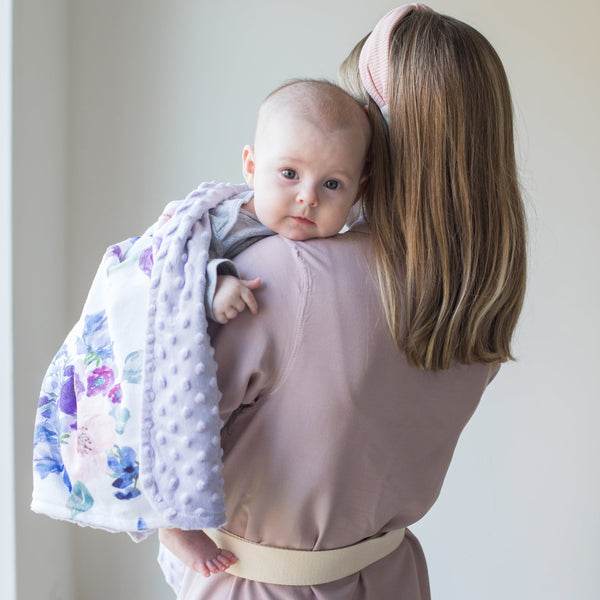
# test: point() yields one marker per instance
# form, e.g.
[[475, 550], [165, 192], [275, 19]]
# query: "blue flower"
[[43, 434], [132, 493], [48, 464], [122, 462], [47, 405], [50, 431], [95, 340], [55, 369], [47, 457]]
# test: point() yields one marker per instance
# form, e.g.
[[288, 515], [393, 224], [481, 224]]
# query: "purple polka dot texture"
[[180, 436]]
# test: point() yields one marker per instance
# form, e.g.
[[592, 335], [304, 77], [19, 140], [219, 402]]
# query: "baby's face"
[[305, 178]]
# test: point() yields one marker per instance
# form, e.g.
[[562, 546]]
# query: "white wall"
[[123, 106], [7, 500], [39, 282]]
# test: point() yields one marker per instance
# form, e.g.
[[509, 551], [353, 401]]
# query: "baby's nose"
[[308, 195]]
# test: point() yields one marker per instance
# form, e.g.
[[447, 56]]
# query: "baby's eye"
[[289, 173], [332, 184]]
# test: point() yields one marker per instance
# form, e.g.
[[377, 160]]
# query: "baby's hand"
[[232, 295]]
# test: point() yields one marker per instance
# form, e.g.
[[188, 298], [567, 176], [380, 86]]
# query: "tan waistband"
[[283, 566]]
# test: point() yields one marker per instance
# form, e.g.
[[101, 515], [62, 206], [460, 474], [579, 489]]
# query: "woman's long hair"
[[444, 205]]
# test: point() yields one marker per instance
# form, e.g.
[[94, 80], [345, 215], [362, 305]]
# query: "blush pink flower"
[[84, 454]]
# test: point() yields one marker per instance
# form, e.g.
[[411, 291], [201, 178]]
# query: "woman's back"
[[330, 435]]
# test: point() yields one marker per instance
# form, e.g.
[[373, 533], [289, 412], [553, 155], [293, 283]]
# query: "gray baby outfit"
[[233, 230]]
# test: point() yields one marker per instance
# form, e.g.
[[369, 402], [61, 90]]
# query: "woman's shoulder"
[[301, 282], [286, 258]]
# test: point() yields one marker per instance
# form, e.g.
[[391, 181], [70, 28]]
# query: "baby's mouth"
[[303, 221]]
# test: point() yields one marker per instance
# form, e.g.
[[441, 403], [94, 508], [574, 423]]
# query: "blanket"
[[127, 432]]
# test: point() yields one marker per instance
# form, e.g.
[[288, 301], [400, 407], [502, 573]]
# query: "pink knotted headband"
[[374, 56]]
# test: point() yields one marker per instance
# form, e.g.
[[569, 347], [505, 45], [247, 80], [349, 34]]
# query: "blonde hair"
[[444, 203]]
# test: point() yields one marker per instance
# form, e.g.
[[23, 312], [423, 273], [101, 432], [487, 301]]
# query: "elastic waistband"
[[283, 566]]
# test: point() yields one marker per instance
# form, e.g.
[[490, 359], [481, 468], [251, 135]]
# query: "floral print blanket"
[[127, 433]]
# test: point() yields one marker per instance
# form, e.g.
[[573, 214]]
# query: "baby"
[[306, 170]]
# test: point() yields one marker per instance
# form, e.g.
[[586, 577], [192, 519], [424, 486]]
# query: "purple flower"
[[67, 401], [77, 383], [115, 394], [146, 261], [100, 379], [115, 251]]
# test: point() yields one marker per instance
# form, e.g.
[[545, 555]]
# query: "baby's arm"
[[232, 296]]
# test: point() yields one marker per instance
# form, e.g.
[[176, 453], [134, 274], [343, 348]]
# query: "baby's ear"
[[248, 165], [362, 186]]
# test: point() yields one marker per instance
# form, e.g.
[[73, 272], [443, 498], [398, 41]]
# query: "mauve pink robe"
[[339, 438]]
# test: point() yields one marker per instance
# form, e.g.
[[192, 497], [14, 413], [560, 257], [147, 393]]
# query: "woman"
[[344, 397]]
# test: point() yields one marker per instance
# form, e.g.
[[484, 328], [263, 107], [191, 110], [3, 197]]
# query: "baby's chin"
[[299, 232], [303, 237], [298, 236]]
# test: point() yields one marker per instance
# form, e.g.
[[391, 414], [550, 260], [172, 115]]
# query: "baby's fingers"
[[251, 284], [249, 300]]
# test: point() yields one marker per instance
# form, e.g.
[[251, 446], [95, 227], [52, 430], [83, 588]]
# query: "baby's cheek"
[[338, 221]]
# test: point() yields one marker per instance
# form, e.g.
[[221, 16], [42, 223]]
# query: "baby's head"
[[307, 165]]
